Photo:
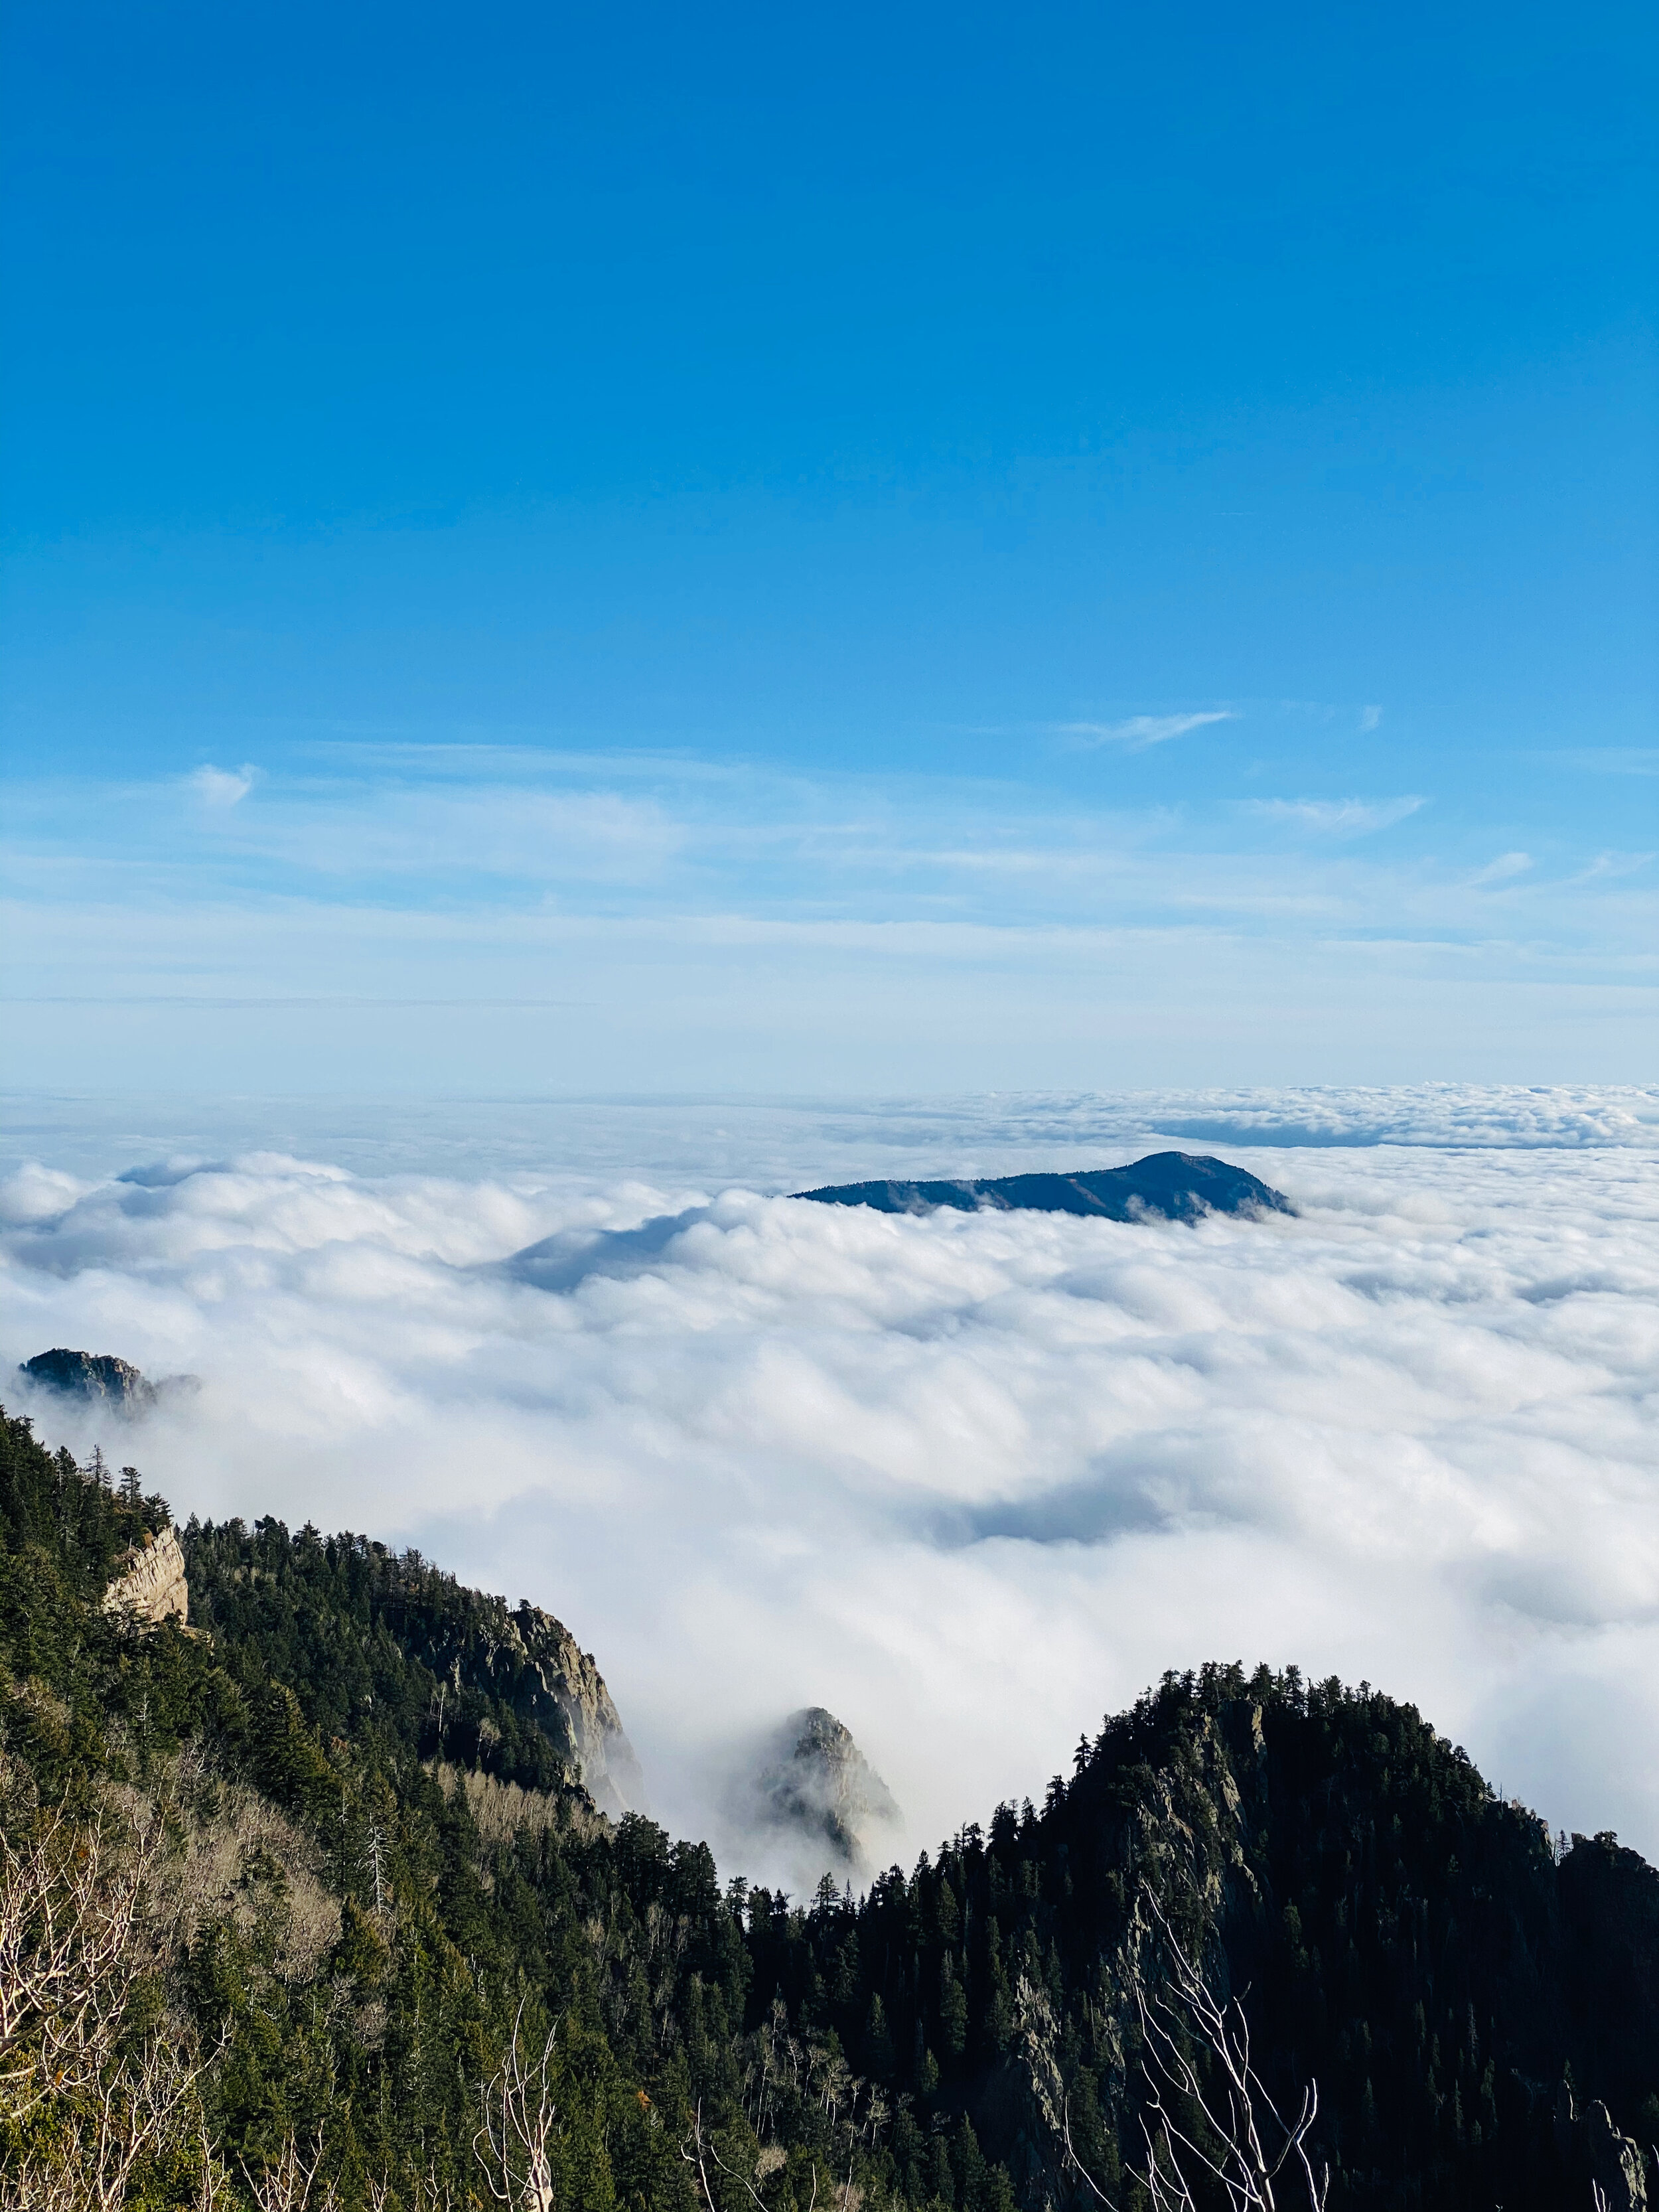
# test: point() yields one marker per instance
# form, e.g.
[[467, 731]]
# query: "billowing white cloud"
[[37, 1193], [968, 1481]]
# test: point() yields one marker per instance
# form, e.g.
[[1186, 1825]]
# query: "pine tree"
[[952, 2010]]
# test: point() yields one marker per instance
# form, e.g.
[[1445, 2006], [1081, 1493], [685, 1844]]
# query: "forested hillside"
[[335, 1899]]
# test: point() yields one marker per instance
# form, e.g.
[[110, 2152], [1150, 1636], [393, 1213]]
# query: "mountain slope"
[[364, 1880], [360, 1631]]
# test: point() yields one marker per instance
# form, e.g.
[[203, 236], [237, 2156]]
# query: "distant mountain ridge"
[[1165, 1186]]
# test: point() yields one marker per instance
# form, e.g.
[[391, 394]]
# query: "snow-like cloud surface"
[[967, 1481]]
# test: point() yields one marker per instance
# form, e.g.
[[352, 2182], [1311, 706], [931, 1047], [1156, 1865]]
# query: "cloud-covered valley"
[[967, 1480]]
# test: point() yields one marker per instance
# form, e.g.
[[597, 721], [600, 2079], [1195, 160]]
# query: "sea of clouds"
[[968, 1481]]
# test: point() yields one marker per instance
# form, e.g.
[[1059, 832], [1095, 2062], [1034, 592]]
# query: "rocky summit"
[[1163, 1187], [815, 1784], [96, 1375]]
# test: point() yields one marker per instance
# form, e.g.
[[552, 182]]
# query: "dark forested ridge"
[[368, 1864], [1163, 1187]]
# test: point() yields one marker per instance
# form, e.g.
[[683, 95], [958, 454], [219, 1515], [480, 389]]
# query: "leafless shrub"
[[69, 1929], [77, 1942], [128, 2110], [246, 1861], [424, 2193], [500, 1810], [521, 2120], [1246, 2145], [291, 2184], [699, 2151]]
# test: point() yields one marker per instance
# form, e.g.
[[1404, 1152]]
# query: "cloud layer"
[[968, 1482], [368, 918]]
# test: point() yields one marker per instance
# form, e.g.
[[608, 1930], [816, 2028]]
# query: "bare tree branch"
[[76, 1946], [286, 2186], [521, 2120], [1235, 2150]]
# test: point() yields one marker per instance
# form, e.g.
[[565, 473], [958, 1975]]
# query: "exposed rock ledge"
[[151, 1588], [533, 1663], [554, 1663]]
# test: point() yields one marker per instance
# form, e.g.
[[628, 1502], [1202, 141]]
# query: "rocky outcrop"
[[553, 1668], [812, 1785], [150, 1587], [530, 1662], [99, 1375], [1590, 2147], [1164, 1187]]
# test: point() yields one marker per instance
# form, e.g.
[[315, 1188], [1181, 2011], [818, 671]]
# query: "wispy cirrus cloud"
[[1140, 730], [1336, 817], [1503, 870], [1615, 865], [736, 928]]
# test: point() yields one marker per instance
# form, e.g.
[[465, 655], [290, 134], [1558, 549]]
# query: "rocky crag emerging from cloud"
[[97, 1376], [1163, 1187], [813, 1791]]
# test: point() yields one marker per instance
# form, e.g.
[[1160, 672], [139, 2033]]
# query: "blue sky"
[[672, 549]]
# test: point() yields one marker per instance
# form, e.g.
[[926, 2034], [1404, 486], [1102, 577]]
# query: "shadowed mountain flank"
[[1163, 1187]]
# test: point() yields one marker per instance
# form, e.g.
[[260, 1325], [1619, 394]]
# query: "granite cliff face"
[[1163, 1187], [532, 1661], [150, 1587], [1590, 2148]]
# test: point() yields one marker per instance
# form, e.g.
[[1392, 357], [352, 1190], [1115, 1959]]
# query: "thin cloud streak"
[[1251, 930], [1504, 869], [1336, 817], [1138, 731]]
